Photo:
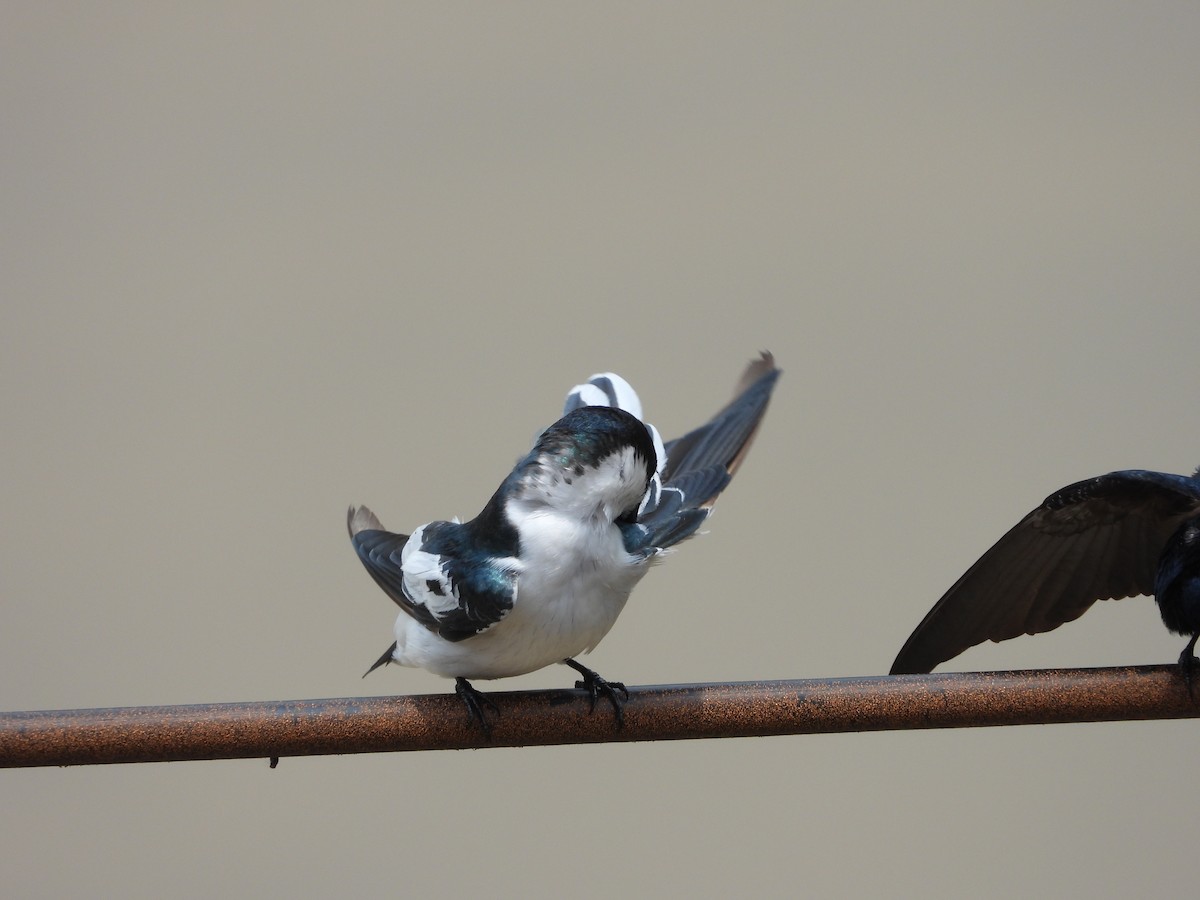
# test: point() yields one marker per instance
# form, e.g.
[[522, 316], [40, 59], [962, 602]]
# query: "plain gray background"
[[261, 261]]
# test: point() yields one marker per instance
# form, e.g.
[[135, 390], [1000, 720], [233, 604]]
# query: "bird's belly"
[[555, 617]]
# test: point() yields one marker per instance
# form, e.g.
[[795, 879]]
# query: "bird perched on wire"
[[541, 574], [1119, 535]]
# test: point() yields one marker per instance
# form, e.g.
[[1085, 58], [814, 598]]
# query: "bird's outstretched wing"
[[701, 464], [1097, 539], [433, 575]]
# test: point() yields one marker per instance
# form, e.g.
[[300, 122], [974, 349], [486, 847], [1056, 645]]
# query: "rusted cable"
[[678, 712]]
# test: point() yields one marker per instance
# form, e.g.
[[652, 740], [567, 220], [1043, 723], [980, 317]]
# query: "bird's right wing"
[[433, 577], [1094, 540]]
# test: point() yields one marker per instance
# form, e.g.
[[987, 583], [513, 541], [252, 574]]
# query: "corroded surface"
[[673, 712]]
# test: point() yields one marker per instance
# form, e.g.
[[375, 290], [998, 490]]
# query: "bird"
[[541, 574], [1123, 534]]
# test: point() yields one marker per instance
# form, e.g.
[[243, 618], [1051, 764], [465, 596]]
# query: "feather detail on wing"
[[725, 440], [380, 551], [433, 576], [1094, 540]]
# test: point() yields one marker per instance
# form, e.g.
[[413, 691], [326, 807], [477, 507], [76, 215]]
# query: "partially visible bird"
[[1119, 535], [541, 574]]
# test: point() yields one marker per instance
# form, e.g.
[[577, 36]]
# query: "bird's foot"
[[475, 702], [1188, 664], [613, 691]]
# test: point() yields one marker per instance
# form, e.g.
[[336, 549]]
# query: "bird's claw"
[[1188, 664], [475, 702], [614, 691]]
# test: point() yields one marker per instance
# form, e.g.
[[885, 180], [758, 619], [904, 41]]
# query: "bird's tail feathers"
[[383, 660]]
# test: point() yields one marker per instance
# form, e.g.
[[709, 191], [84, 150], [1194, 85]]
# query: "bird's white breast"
[[573, 578]]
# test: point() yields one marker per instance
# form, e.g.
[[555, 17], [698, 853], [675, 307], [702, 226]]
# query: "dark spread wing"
[[1094, 540], [380, 552], [701, 464], [434, 581]]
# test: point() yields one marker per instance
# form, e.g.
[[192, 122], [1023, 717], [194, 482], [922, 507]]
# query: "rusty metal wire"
[[678, 712]]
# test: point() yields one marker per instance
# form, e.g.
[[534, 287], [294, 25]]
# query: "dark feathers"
[[701, 464], [466, 593], [1109, 537]]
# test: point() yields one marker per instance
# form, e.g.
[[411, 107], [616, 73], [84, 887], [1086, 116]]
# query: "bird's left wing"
[[701, 464], [1094, 540]]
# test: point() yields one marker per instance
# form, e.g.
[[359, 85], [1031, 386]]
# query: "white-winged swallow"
[[541, 574]]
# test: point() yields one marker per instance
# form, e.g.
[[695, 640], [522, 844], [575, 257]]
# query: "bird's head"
[[594, 462]]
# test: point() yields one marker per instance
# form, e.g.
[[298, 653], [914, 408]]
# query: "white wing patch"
[[424, 580], [605, 389]]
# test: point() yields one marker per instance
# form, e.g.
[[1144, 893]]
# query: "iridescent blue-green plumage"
[[477, 592]]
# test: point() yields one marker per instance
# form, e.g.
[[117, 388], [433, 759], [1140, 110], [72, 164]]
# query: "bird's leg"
[[475, 701], [1188, 663], [595, 686]]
